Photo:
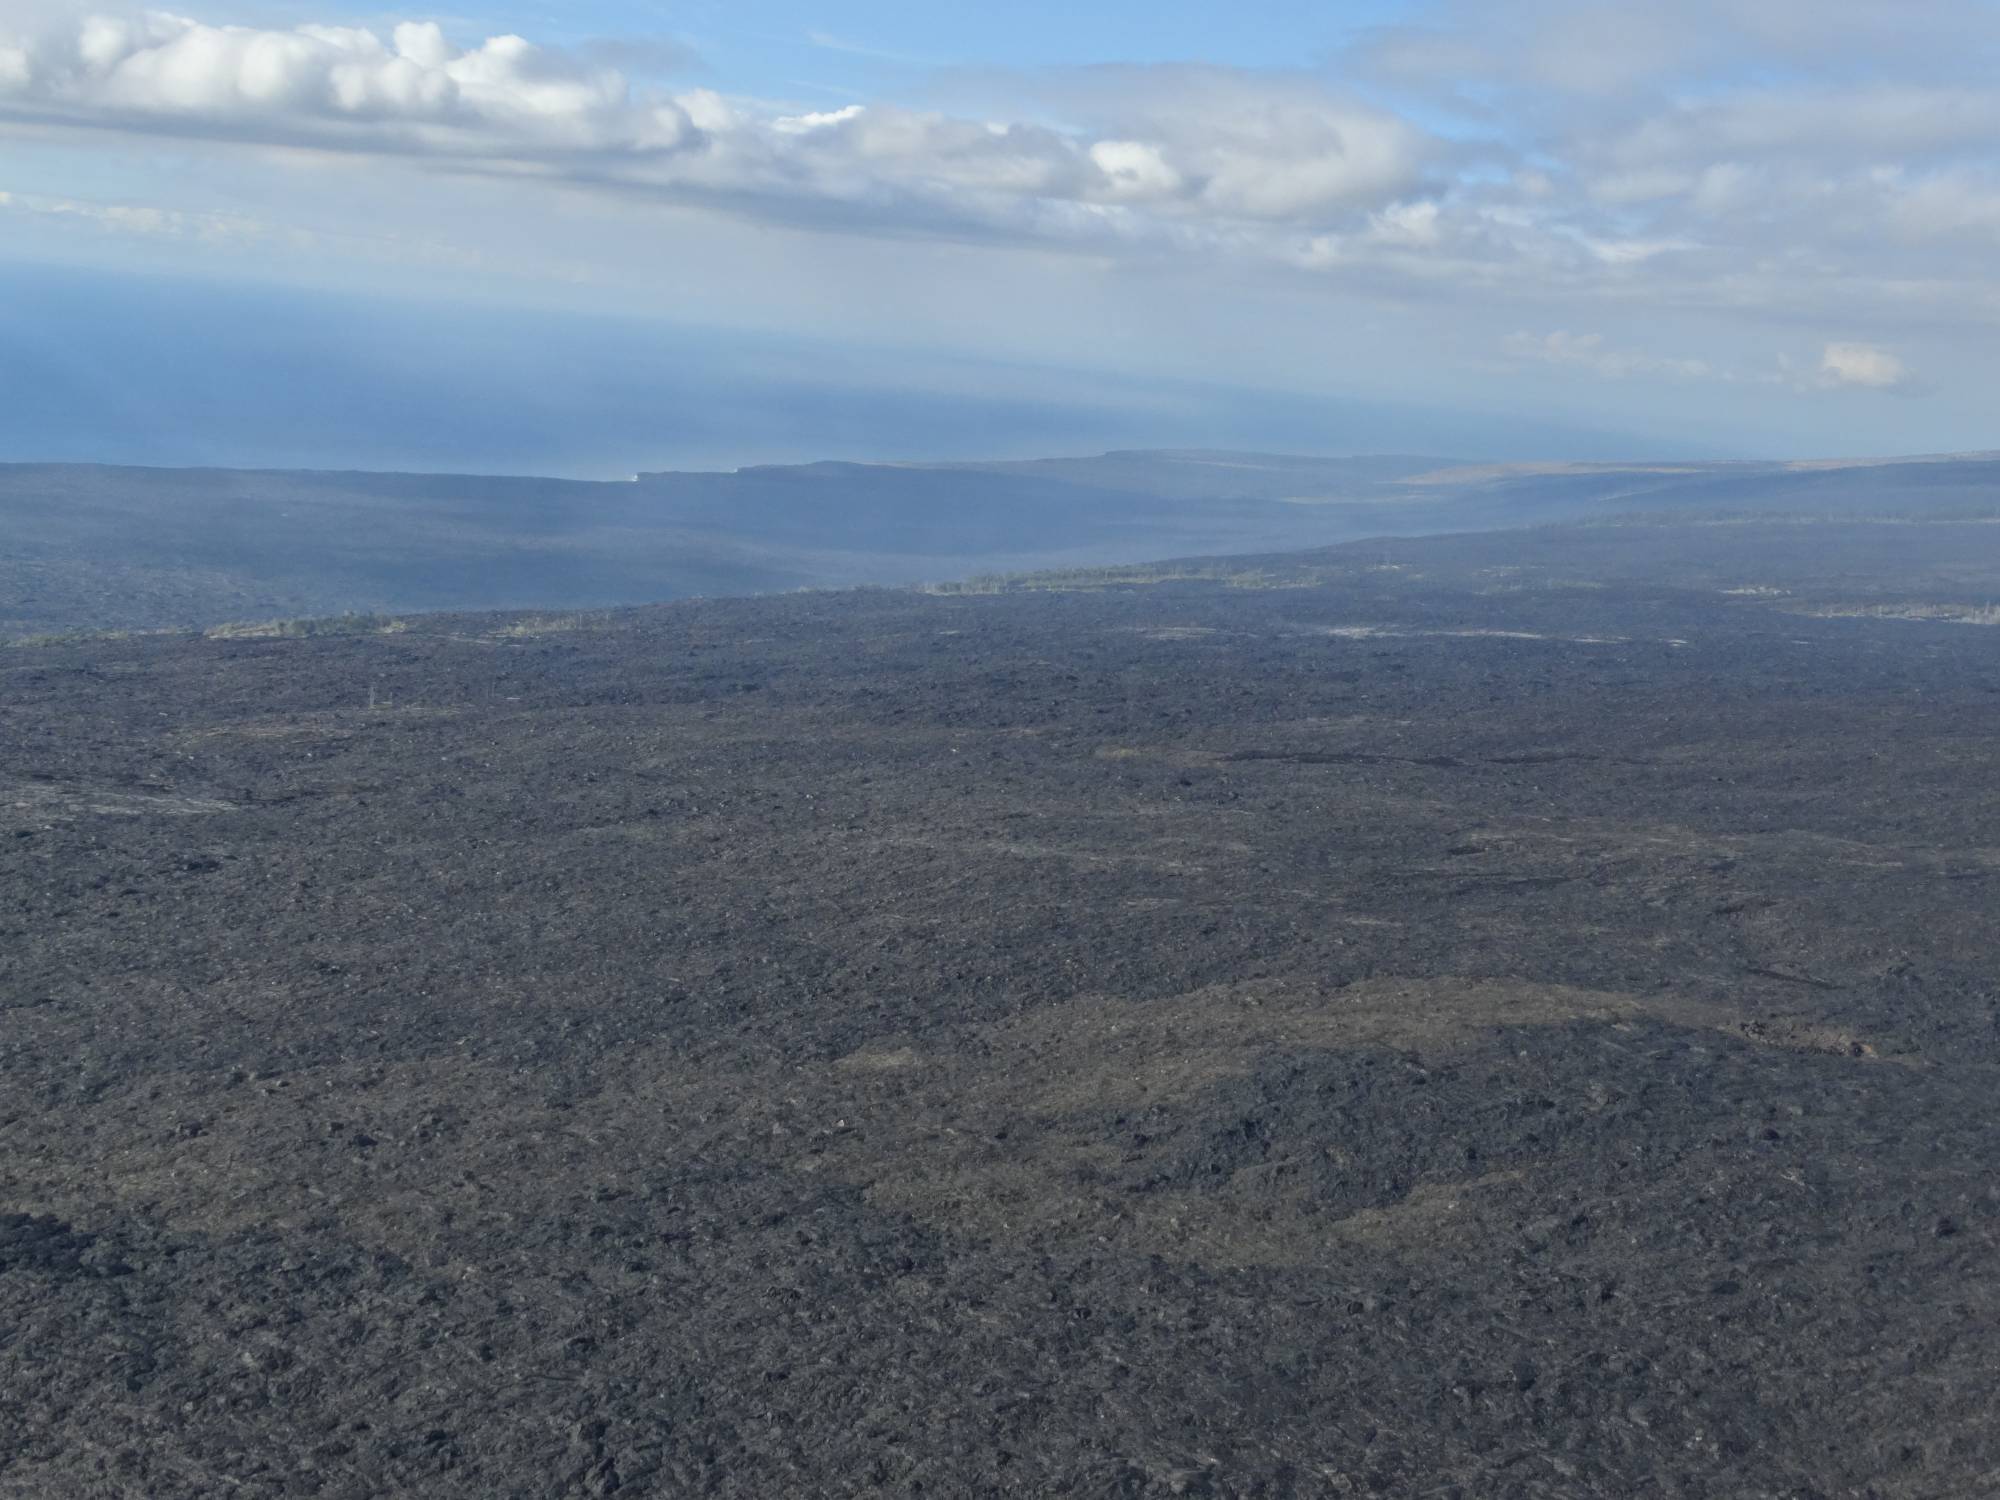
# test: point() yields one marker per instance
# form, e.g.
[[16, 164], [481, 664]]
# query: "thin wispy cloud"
[[826, 42], [1589, 351]]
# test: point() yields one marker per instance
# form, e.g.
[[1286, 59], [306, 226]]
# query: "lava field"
[[1394, 1035]]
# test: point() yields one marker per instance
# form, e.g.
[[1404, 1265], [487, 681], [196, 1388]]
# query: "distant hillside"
[[90, 547], [1908, 568]]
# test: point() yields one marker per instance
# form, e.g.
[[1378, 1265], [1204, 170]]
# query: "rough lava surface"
[[1437, 1029]]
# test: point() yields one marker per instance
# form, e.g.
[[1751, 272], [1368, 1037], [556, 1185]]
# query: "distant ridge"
[[85, 546]]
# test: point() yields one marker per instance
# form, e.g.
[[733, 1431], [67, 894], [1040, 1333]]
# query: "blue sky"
[[1546, 226], [859, 49]]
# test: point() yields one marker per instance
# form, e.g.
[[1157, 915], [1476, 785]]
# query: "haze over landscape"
[[1131, 750], [623, 236]]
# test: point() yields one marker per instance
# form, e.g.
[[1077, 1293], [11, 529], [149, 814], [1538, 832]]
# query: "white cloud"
[[818, 120], [1414, 225], [341, 87], [1848, 366], [1820, 123], [1863, 366], [139, 218], [1219, 150], [1630, 252], [1784, 163], [1135, 169], [1276, 149], [1588, 351], [1794, 156]]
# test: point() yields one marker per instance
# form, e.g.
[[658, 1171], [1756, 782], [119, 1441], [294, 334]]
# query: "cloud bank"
[[1828, 168], [1261, 156]]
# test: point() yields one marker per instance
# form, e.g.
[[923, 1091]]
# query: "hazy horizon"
[[198, 372], [641, 236]]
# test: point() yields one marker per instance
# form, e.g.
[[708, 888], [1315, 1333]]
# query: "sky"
[[672, 233]]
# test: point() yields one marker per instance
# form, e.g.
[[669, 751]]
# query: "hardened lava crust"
[[1429, 1026]]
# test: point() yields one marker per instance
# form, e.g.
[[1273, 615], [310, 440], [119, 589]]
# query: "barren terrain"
[[1506, 1017]]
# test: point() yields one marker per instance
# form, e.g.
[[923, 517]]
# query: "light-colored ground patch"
[[540, 625], [1006, 1136], [1174, 632], [299, 629], [1397, 632], [880, 1060], [1430, 1209], [1004, 1130], [1948, 614], [33, 799]]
